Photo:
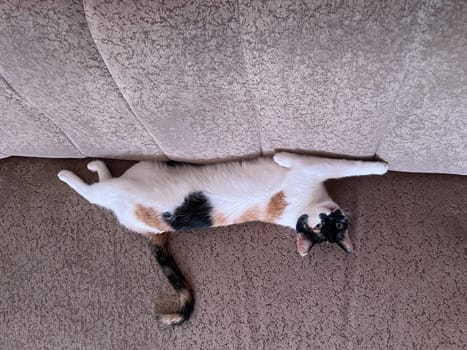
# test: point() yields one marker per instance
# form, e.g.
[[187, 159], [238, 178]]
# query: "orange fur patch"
[[159, 239], [219, 219], [252, 214], [275, 207], [151, 218], [185, 296]]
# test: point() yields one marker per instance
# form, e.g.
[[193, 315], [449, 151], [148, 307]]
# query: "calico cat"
[[153, 199]]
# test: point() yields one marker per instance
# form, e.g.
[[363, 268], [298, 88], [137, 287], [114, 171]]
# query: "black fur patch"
[[194, 212], [174, 164], [169, 267], [177, 164], [333, 226], [302, 226], [331, 229]]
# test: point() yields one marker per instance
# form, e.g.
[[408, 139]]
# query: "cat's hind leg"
[[102, 171]]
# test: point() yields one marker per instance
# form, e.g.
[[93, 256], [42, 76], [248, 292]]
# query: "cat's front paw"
[[284, 159], [381, 168], [65, 175], [96, 165]]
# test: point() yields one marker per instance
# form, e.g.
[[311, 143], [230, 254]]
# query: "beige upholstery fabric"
[[25, 130], [186, 77], [49, 58], [428, 128], [203, 81]]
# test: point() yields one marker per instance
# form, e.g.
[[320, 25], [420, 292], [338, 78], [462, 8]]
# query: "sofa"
[[204, 81]]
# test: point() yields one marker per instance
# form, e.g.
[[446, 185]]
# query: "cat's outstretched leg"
[[337, 168], [76, 183], [328, 168], [102, 171]]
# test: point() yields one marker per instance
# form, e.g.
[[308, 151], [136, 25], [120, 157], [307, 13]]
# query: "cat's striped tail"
[[159, 248]]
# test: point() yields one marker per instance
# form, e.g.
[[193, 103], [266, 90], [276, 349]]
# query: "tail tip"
[[171, 319]]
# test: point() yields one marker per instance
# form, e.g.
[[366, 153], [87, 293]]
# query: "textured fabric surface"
[[49, 58], [181, 66], [71, 278], [427, 129], [24, 130], [203, 80]]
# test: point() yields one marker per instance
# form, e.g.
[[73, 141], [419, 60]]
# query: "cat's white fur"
[[279, 190], [232, 188]]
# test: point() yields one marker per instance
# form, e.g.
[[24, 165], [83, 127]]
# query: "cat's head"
[[332, 228]]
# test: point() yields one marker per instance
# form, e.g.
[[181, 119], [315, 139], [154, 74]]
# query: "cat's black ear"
[[304, 244], [345, 243]]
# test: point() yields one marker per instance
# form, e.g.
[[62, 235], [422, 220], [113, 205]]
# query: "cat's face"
[[331, 228]]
